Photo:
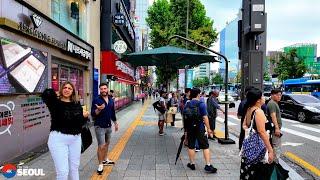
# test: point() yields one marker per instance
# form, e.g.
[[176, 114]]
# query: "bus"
[[302, 86]]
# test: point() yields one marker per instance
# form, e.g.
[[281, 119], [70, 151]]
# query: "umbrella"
[[179, 149], [168, 55]]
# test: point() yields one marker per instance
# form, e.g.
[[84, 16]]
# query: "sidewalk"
[[140, 153]]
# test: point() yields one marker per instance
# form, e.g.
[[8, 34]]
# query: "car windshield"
[[305, 99]]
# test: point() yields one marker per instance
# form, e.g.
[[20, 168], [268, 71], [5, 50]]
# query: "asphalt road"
[[300, 141]]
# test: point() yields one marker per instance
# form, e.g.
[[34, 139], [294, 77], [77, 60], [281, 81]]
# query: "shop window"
[[55, 77], [61, 74], [71, 14]]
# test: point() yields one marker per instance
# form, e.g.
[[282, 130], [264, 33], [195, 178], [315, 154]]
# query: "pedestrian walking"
[[112, 95], [67, 119], [252, 165], [173, 102], [274, 115], [212, 107], [103, 113], [196, 119], [142, 97], [161, 110]]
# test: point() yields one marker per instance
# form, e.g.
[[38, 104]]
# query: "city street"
[[300, 141]]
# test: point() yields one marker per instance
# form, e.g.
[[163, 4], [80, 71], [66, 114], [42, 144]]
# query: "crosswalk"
[[295, 128]]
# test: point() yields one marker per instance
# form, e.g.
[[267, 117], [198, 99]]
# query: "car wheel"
[[301, 117]]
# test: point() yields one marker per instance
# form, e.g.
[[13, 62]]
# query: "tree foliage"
[[201, 82], [217, 79], [290, 66], [169, 18], [266, 76]]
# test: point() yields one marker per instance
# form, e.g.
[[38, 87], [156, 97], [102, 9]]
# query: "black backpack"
[[191, 115], [157, 106]]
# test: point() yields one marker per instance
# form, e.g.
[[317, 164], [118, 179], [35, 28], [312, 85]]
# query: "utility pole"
[[187, 35], [252, 43]]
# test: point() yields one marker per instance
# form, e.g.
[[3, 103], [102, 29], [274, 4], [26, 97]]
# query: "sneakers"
[[197, 150], [107, 162], [100, 169], [210, 169], [161, 134], [191, 166]]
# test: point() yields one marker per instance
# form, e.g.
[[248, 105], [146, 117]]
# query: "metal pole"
[[226, 140], [187, 35]]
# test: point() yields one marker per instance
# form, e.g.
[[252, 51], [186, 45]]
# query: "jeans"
[[65, 150]]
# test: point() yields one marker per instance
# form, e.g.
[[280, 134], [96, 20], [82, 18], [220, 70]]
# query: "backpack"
[[191, 115], [157, 106]]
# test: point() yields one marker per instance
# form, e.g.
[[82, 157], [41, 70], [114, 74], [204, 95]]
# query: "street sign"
[[120, 46], [119, 19]]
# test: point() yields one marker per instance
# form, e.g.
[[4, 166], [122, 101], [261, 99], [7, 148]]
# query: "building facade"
[[43, 44], [308, 52], [203, 70], [229, 48], [117, 26]]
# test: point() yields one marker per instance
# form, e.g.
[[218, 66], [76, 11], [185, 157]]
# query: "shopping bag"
[[173, 110], [86, 138], [169, 118]]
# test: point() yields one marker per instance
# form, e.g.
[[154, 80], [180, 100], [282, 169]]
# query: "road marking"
[[291, 121], [121, 144], [307, 128], [297, 133], [302, 163], [234, 117], [222, 121], [291, 144]]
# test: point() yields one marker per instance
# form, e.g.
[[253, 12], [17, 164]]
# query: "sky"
[[288, 21]]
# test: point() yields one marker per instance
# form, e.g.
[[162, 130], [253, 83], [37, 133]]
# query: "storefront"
[[120, 77], [116, 26], [35, 53]]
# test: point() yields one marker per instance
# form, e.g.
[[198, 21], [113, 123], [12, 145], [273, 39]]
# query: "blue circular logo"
[[9, 170]]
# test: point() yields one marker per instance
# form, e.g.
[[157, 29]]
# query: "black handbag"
[[86, 138]]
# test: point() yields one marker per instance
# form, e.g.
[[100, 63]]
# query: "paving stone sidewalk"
[[150, 156]]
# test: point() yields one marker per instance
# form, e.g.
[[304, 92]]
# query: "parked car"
[[301, 107], [221, 99]]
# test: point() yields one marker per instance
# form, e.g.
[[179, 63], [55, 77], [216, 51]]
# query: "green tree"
[[266, 76], [168, 18], [290, 66], [238, 77], [206, 81], [217, 79]]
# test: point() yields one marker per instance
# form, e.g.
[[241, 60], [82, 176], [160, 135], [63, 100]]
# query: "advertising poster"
[[22, 69], [189, 78], [181, 78]]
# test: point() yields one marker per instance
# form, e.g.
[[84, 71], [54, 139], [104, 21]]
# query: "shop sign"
[[41, 35], [77, 50], [124, 68], [120, 46], [119, 19], [127, 23]]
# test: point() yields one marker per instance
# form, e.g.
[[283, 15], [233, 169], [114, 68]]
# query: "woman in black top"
[[260, 125], [67, 119]]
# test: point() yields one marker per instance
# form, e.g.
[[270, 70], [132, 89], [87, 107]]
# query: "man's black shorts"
[[199, 135]]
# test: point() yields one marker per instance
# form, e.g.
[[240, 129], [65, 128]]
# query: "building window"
[[71, 14]]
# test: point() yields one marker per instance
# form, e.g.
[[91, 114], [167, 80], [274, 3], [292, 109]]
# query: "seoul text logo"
[[9, 170]]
